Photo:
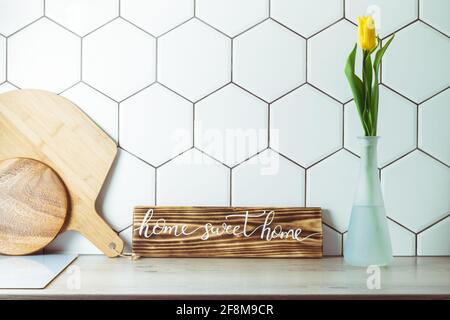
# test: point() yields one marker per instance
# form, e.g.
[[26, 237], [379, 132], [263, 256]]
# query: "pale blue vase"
[[368, 241]]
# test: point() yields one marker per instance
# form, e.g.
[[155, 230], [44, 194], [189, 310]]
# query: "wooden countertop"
[[104, 278]]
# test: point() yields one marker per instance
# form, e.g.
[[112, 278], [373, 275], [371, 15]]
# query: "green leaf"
[[379, 55], [375, 99], [356, 84], [375, 88]]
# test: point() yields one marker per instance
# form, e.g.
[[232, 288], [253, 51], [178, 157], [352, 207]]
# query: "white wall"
[[164, 77]]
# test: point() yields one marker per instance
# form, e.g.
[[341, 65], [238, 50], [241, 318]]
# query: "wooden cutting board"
[[44, 126], [34, 205]]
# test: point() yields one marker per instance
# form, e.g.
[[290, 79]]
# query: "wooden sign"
[[227, 232]]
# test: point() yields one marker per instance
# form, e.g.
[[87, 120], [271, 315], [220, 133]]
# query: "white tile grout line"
[[62, 26], [418, 9], [118, 124], [231, 59], [250, 28], [99, 27], [232, 81], [445, 217], [286, 27], [231, 187], [156, 58], [6, 59], [435, 29], [343, 8], [25, 26], [156, 187]]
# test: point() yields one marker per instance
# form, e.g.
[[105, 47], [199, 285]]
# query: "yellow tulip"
[[366, 33]]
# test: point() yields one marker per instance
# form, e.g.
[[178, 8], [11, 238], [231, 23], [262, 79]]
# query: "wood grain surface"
[[47, 127], [223, 244], [242, 279], [34, 204]]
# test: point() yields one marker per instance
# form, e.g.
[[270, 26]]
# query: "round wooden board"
[[34, 204]]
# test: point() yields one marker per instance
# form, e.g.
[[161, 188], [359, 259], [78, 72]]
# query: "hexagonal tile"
[[435, 241], [148, 127], [119, 59], [231, 125], [71, 242], [232, 16], [396, 127], [2, 59], [403, 241], [331, 184], [388, 16], [16, 14], [82, 16], [44, 56], [326, 70], [269, 60], [6, 86], [332, 242], [193, 179], [435, 12], [416, 190], [268, 179], [130, 182], [434, 131], [101, 109], [309, 125], [306, 17], [157, 16], [194, 60], [426, 65]]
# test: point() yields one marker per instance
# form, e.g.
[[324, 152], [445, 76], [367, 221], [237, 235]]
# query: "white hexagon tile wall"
[[172, 81]]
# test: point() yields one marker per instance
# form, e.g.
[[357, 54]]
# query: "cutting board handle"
[[101, 235]]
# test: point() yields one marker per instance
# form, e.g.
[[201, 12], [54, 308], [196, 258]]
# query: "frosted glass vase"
[[368, 241]]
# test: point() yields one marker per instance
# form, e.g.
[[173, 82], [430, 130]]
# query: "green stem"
[[365, 110]]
